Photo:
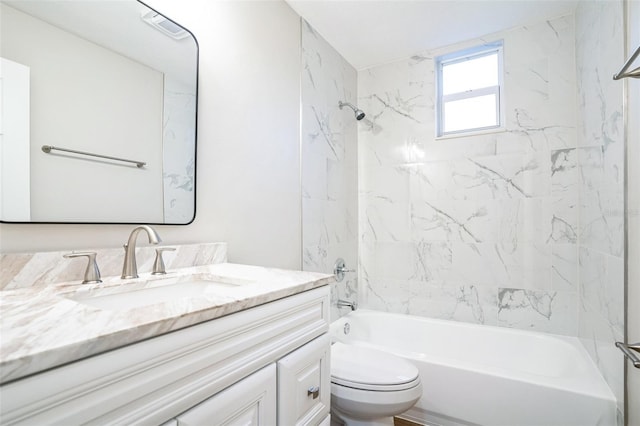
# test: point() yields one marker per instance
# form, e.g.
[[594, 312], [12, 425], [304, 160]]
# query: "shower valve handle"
[[339, 269]]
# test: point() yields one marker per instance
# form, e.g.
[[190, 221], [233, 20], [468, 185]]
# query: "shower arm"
[[357, 111]]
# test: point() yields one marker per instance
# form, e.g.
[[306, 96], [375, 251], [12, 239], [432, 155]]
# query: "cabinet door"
[[326, 421], [304, 384], [249, 402]]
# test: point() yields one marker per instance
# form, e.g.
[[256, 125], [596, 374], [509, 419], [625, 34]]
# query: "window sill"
[[472, 133]]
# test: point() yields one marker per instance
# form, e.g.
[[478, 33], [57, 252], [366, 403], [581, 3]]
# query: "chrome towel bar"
[[628, 350], [49, 148], [635, 73]]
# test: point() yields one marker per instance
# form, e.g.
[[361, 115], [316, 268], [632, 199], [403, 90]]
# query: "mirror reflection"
[[110, 78]]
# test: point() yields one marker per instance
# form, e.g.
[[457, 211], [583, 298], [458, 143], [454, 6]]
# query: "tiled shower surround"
[[329, 161], [478, 228], [518, 228], [521, 227], [598, 163]]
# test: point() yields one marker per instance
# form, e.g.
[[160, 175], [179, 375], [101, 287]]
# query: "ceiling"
[[115, 25], [373, 32]]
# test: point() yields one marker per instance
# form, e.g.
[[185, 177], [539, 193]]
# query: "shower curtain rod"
[[635, 73]]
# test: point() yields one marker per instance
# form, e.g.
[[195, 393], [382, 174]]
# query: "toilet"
[[369, 387]]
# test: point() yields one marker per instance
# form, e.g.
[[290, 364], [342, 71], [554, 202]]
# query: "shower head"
[[358, 112]]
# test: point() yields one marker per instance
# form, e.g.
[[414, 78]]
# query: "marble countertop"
[[44, 327]]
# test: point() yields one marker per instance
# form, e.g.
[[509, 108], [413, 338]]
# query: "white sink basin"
[[130, 296]]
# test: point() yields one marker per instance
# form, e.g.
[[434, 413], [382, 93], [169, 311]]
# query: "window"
[[469, 90]]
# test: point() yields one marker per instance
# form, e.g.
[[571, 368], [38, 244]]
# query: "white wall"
[[248, 171], [14, 141]]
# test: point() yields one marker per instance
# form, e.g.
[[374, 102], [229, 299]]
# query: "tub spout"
[[345, 303]]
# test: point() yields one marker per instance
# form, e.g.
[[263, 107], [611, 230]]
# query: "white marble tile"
[[387, 182], [468, 221], [329, 162], [564, 172], [485, 211], [599, 338], [341, 179], [502, 215], [499, 265], [590, 168], [386, 294], [601, 221], [564, 264], [551, 312], [392, 260], [564, 219], [384, 220], [601, 276], [314, 179], [536, 221], [179, 149], [599, 53], [438, 222], [433, 260], [466, 303]]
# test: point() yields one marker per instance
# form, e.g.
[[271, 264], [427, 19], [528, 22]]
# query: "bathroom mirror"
[[85, 85]]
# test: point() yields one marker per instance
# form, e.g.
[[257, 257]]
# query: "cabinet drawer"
[[304, 388], [250, 402]]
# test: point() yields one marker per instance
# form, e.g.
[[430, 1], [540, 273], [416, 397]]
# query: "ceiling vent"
[[164, 25]]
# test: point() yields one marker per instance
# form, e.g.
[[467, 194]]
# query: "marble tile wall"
[[179, 161], [479, 228], [21, 270], [329, 164], [599, 162]]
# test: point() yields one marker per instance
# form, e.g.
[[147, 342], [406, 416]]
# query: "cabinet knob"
[[314, 391]]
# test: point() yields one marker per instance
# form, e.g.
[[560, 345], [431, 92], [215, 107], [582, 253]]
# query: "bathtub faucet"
[[345, 303]]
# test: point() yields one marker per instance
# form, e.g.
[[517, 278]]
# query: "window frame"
[[476, 52]]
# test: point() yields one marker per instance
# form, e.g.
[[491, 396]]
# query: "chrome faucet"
[[130, 268], [345, 303]]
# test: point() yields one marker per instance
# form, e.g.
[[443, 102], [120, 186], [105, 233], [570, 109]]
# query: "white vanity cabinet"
[[251, 401], [304, 384], [266, 365]]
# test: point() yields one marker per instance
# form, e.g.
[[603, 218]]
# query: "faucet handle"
[[340, 268], [158, 264], [92, 273]]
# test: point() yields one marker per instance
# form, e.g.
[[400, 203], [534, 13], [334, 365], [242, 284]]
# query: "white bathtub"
[[492, 376]]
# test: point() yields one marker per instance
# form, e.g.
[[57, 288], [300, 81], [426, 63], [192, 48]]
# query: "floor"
[[402, 422]]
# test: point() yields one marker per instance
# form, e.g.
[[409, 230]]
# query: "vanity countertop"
[[43, 327]]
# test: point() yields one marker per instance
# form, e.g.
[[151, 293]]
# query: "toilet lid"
[[365, 368]]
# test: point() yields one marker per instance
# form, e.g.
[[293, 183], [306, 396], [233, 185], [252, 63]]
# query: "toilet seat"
[[369, 369], [372, 387]]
